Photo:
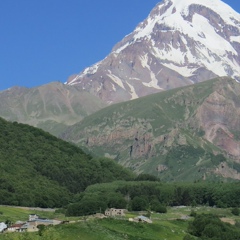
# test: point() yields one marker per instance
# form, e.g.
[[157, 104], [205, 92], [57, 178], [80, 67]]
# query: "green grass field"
[[14, 214], [170, 226]]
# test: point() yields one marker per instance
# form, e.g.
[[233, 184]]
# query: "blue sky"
[[48, 40]]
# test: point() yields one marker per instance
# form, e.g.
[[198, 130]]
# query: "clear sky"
[[48, 40]]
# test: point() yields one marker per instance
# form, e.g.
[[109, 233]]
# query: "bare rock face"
[[227, 171], [181, 42], [136, 131], [219, 117]]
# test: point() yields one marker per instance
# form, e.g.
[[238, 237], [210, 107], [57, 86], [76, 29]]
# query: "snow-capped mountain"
[[181, 42]]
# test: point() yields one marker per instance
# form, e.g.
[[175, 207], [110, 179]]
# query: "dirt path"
[[228, 220]]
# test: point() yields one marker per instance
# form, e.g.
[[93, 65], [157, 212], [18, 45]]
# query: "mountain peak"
[[216, 5], [192, 17], [181, 42]]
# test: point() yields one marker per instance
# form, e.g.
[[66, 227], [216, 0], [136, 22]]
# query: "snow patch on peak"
[[146, 31], [74, 80], [177, 10], [218, 6], [171, 13], [91, 70], [115, 79], [132, 91], [235, 39]]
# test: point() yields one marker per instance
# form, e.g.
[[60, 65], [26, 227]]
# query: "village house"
[[31, 225], [32, 217], [3, 227], [113, 212], [16, 228]]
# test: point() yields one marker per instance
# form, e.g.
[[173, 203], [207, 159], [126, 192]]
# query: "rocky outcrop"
[[219, 117], [138, 133], [226, 171]]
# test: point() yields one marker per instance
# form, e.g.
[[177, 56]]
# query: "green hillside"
[[38, 169], [184, 134], [172, 226]]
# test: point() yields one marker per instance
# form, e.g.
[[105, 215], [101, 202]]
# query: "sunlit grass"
[[170, 226]]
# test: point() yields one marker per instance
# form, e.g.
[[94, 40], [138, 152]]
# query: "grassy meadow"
[[170, 226]]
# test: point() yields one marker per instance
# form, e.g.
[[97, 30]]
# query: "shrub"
[[193, 213], [188, 237], [139, 204], [161, 209], [235, 211]]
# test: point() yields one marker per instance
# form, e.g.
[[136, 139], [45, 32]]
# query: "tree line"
[[153, 195]]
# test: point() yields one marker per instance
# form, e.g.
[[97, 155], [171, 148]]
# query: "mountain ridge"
[[52, 106]]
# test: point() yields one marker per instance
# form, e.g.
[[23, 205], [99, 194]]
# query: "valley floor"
[[170, 226]]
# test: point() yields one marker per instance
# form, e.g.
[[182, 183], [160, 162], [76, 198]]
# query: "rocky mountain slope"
[[181, 42], [51, 107], [187, 133]]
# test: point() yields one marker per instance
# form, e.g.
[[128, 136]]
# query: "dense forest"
[[38, 169], [154, 196]]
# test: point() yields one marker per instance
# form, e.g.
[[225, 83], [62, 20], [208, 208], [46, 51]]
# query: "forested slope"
[[38, 169], [154, 196]]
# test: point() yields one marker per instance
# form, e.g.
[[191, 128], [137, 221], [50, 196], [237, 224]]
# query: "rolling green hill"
[[184, 134], [38, 169]]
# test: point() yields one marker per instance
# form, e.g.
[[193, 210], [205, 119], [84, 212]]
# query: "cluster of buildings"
[[30, 226], [113, 212], [34, 221]]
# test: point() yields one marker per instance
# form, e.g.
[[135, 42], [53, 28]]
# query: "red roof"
[[17, 225]]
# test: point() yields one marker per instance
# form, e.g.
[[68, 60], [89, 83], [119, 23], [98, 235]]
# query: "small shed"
[[3, 226], [143, 219]]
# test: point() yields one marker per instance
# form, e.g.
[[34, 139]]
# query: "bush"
[[235, 211], [161, 209], [193, 213], [146, 177], [237, 224], [139, 204], [156, 206], [208, 226], [61, 210], [41, 229], [188, 237]]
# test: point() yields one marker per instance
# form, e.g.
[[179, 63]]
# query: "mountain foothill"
[[165, 102]]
